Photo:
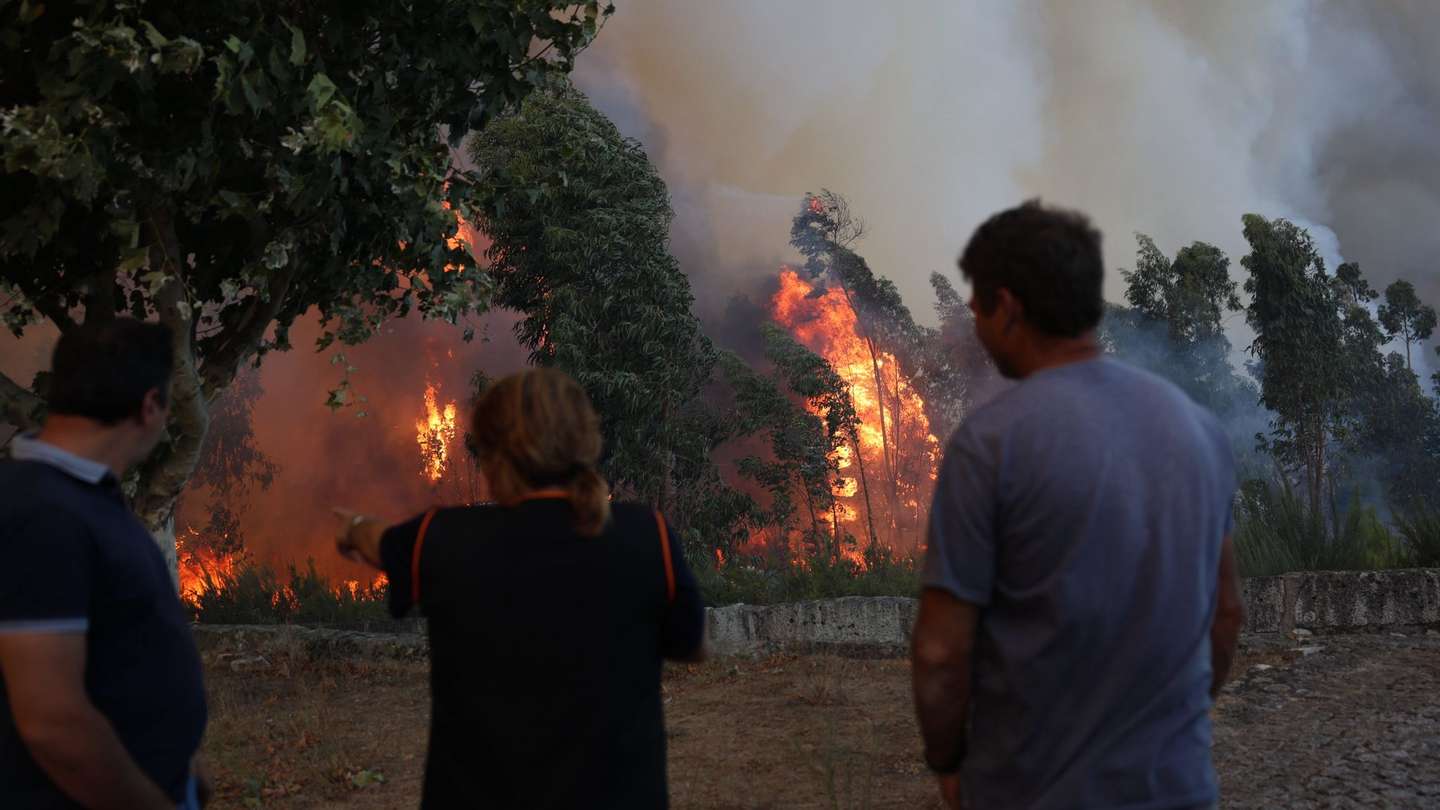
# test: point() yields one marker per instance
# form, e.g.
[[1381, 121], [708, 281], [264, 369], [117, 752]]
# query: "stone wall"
[[1343, 600], [880, 626], [1323, 600], [854, 624]]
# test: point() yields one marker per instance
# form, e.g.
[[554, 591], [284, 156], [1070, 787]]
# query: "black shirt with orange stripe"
[[546, 650]]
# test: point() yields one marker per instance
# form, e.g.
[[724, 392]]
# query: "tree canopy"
[[1175, 325], [580, 227], [1404, 316], [227, 166]]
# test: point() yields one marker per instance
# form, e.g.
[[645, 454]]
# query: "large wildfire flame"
[[434, 432], [897, 449]]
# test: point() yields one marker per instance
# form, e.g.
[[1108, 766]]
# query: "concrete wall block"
[[847, 624], [1264, 603], [861, 625], [1368, 598]]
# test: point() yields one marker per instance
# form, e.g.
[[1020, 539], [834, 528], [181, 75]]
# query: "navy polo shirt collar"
[[29, 448]]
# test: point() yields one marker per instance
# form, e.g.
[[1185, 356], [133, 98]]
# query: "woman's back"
[[546, 650]]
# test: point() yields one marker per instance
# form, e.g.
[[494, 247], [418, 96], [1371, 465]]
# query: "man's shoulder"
[[1078, 394], [28, 488], [1161, 398]]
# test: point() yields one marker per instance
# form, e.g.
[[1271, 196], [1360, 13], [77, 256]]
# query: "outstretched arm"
[[358, 537]]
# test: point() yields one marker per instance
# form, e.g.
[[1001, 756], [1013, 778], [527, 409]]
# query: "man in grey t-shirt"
[[1081, 603]]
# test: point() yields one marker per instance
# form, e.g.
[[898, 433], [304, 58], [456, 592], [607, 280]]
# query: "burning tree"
[[226, 167], [857, 321], [434, 434]]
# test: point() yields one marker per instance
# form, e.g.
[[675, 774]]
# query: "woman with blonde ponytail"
[[550, 610]]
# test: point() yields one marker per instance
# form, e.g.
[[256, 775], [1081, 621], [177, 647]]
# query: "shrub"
[[762, 580], [1276, 532], [255, 594], [1420, 529]]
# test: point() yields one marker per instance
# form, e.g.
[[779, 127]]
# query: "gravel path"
[[1333, 721]]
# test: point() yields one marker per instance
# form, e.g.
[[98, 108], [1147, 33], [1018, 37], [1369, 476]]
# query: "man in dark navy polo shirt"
[[101, 699]]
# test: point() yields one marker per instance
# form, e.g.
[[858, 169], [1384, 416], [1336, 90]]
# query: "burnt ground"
[[1314, 721]]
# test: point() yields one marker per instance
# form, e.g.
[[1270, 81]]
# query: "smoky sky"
[[1172, 118]]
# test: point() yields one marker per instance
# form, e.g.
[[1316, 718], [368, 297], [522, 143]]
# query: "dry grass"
[[291, 731]]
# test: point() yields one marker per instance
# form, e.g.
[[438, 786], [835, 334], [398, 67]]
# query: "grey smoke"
[[1172, 118]]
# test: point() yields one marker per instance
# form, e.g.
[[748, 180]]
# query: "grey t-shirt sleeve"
[[960, 554]]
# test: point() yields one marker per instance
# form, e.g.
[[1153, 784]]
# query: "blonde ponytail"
[[590, 498]]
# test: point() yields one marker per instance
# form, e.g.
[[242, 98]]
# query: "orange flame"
[[204, 571], [898, 452], [201, 569], [434, 433]]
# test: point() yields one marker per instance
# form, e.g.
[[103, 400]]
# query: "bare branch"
[[18, 405], [243, 335], [55, 310]]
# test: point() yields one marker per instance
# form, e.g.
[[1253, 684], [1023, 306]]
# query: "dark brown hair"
[[1048, 258], [537, 430], [103, 370]]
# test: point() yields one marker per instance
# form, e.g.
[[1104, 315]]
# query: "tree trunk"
[[165, 538], [163, 476], [864, 489], [810, 505], [897, 414], [880, 391], [1316, 473], [18, 405]]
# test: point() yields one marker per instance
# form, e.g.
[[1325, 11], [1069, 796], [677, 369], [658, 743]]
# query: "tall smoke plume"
[[1172, 118]]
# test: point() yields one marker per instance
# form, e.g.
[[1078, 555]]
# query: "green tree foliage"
[[1404, 316], [816, 382], [1294, 312], [1386, 424], [955, 367], [1175, 323], [794, 464], [1190, 294], [1396, 435], [230, 464], [1435, 378], [227, 166], [805, 415], [580, 223]]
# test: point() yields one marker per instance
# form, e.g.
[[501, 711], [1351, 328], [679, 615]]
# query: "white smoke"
[[1172, 118]]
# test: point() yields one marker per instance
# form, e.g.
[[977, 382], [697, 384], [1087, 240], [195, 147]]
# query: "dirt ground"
[[1354, 723]]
